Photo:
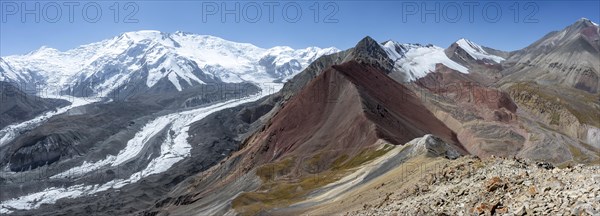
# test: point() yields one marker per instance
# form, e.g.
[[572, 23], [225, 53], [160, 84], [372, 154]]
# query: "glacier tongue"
[[174, 149]]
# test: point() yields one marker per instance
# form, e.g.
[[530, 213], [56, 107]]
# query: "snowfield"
[[416, 61], [177, 57]]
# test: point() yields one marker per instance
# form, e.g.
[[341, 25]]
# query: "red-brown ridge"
[[342, 111]]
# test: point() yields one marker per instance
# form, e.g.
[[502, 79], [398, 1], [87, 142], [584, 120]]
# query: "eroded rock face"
[[369, 52], [484, 118], [488, 120], [486, 102], [565, 112]]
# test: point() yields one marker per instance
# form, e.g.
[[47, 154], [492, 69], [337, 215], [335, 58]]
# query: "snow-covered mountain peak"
[[329, 50], [476, 51], [415, 60], [177, 57], [144, 37], [43, 50], [394, 49], [467, 44], [389, 43], [586, 20], [309, 53], [278, 50], [143, 34]]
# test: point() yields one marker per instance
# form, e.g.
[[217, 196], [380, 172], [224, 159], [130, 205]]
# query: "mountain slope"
[[17, 106], [370, 111], [568, 58]]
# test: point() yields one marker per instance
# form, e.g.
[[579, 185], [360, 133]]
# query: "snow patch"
[[586, 19], [593, 136], [422, 60], [175, 81], [416, 60], [390, 49], [476, 51]]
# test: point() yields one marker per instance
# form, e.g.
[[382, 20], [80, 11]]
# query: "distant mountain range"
[[149, 58], [334, 131]]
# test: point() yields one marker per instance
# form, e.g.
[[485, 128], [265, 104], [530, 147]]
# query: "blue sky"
[[340, 23]]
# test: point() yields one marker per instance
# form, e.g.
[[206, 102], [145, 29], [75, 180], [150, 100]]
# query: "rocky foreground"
[[495, 186]]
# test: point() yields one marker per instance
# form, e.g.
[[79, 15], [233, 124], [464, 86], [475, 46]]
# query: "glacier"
[[174, 149]]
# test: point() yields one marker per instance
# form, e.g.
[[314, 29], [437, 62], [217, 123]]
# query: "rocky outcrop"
[[495, 186], [434, 147], [369, 52]]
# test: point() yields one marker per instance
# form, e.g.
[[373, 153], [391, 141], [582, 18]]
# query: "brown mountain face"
[[541, 103], [338, 121], [528, 120], [485, 119], [555, 83], [465, 91], [345, 109]]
